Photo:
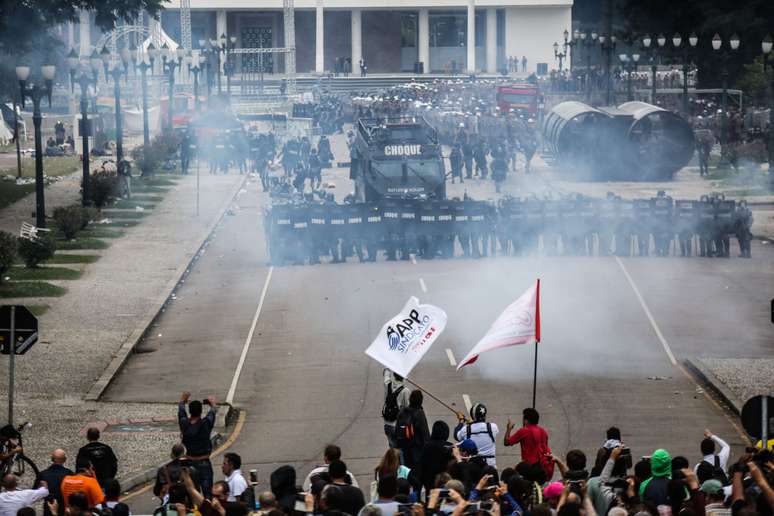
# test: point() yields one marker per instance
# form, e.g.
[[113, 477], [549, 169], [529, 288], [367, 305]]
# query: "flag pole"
[[430, 394], [537, 339]]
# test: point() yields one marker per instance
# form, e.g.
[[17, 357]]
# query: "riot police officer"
[[606, 224], [724, 225], [499, 169], [743, 221], [662, 223], [705, 225], [455, 162], [686, 219], [642, 225], [467, 153], [625, 227]]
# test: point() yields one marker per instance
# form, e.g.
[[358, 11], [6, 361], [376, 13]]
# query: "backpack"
[[405, 431], [707, 471], [488, 431], [390, 409]]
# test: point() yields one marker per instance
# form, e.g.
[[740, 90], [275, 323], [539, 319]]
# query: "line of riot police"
[[301, 233]]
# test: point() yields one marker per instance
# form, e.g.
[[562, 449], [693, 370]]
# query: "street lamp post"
[[36, 91], [195, 67], [717, 46], [171, 60], [225, 46], [630, 65], [588, 41], [677, 41], [607, 45], [654, 56], [146, 61], [88, 76], [563, 54], [116, 73], [766, 47]]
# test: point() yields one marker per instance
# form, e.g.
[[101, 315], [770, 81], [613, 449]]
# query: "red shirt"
[[534, 443]]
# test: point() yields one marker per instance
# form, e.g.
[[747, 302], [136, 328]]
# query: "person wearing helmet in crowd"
[[480, 431]]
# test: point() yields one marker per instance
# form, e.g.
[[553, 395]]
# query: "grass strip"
[[30, 289]]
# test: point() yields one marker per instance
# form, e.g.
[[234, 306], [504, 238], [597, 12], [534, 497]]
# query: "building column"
[[84, 26], [356, 18], [424, 38], [491, 40], [471, 46], [319, 39]]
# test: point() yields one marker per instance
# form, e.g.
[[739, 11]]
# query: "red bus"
[[522, 98]]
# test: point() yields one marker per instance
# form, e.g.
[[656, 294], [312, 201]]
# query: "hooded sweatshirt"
[[654, 489], [435, 455]]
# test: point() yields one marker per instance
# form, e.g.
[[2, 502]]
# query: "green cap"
[[712, 486]]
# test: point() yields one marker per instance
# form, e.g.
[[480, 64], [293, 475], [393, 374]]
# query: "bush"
[[36, 251], [104, 188], [69, 219], [87, 215], [8, 247]]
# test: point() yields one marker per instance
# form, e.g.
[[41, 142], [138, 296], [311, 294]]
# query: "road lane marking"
[[452, 361], [422, 285], [645, 308], [466, 399], [246, 347]]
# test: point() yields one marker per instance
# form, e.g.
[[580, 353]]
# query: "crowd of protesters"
[[425, 469]]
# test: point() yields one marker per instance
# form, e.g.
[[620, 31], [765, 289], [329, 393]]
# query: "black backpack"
[[390, 409], [405, 430], [707, 471]]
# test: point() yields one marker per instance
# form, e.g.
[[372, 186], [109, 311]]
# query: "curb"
[[703, 373], [119, 359], [149, 475]]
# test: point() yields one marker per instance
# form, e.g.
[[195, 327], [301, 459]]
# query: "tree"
[[751, 20], [25, 29]]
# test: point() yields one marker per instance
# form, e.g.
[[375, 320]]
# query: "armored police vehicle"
[[397, 158]]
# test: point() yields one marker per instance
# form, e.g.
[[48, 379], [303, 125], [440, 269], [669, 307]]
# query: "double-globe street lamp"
[[36, 91], [85, 75], [630, 66], [766, 46], [195, 67], [565, 50], [677, 41], [717, 46], [144, 62], [112, 68], [171, 59], [588, 41], [607, 46], [647, 41], [225, 46]]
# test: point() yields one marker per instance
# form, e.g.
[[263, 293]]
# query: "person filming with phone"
[[196, 433]]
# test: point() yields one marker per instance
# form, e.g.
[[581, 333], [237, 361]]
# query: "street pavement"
[[609, 329]]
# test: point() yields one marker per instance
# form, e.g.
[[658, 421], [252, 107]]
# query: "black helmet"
[[478, 412]]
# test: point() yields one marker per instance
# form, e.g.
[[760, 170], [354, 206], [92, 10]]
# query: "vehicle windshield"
[[517, 98], [423, 169], [387, 169]]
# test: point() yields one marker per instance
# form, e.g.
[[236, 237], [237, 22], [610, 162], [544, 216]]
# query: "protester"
[[84, 481], [196, 431], [435, 456], [53, 476], [411, 432], [100, 455], [170, 473], [712, 465], [349, 499], [482, 432], [330, 454], [396, 398], [386, 490], [533, 440], [234, 477], [112, 499], [12, 499], [654, 490]]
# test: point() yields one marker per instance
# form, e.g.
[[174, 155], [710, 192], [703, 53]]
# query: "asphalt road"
[[306, 382]]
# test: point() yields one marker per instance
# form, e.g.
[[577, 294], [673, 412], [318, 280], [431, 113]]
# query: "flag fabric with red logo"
[[518, 324], [405, 338]]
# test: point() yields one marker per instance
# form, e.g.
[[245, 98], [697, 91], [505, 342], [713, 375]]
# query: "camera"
[[443, 493], [626, 454], [575, 486], [253, 476], [404, 508]]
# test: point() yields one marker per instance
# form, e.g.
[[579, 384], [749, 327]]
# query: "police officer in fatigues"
[[551, 222], [499, 169], [662, 223], [687, 220], [743, 221], [455, 162], [724, 226]]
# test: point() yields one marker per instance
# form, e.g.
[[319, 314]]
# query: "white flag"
[[518, 324], [405, 338]]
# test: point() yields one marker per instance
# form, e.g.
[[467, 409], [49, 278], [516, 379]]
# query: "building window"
[[408, 30], [448, 30]]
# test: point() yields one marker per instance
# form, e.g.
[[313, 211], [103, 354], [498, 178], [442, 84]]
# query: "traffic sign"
[[24, 327], [758, 416]]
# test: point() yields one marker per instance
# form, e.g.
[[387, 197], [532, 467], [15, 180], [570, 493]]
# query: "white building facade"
[[390, 36]]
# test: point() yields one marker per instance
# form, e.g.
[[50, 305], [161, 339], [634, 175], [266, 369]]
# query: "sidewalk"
[[82, 330]]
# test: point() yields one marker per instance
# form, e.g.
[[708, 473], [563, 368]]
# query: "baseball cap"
[[553, 490], [468, 445], [711, 486]]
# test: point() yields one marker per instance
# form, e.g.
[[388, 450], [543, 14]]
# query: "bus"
[[523, 98]]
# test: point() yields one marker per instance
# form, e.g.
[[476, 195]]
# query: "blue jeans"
[[389, 431], [204, 469]]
